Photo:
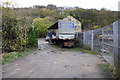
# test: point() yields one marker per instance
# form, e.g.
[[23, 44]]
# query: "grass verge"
[[84, 50], [8, 57], [108, 70]]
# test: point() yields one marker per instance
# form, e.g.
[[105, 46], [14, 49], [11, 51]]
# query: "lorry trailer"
[[62, 33]]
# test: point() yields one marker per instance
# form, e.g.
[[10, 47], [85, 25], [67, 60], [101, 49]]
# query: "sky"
[[87, 4]]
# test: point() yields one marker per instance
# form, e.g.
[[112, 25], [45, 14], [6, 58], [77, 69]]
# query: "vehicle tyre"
[[61, 44]]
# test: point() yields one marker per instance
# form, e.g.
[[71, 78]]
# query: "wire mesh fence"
[[104, 41]]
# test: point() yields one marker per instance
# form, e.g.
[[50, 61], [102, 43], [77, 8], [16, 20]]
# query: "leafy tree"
[[92, 17], [40, 26]]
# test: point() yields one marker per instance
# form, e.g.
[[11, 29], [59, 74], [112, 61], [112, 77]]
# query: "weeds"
[[8, 57], [83, 50], [108, 71]]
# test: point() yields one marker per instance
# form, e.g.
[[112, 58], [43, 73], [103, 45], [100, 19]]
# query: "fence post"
[[116, 46], [92, 40], [84, 39], [102, 41]]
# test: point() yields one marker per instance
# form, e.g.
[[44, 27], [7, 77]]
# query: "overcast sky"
[[87, 4]]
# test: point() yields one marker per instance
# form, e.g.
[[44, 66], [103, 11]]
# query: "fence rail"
[[104, 41]]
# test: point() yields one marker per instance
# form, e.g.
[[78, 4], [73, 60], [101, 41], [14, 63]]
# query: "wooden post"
[[116, 46]]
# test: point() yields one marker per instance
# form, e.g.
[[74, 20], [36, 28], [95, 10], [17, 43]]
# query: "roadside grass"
[[9, 57], [84, 50], [76, 48], [108, 70]]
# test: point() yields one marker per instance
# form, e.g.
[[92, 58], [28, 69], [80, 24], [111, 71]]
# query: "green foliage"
[[9, 23], [8, 57], [92, 17], [32, 38], [14, 30], [40, 26], [96, 26], [83, 50], [46, 13], [108, 71], [19, 30]]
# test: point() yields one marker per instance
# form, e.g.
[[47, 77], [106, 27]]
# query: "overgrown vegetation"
[[8, 57], [93, 19], [83, 50], [40, 26], [14, 30], [108, 71], [20, 30]]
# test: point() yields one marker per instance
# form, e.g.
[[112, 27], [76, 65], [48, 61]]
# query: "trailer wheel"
[[61, 44]]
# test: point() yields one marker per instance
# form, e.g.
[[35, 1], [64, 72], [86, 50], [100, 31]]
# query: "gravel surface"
[[49, 62]]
